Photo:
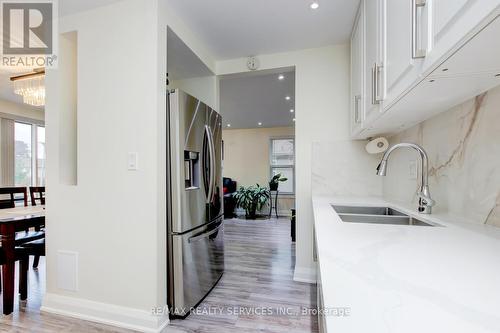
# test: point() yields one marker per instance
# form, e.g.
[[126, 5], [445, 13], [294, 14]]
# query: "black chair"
[[20, 194], [23, 258], [37, 193], [15, 194], [229, 200]]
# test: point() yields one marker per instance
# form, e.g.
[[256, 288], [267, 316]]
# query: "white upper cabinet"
[[407, 26], [453, 23], [357, 74], [422, 57], [373, 69]]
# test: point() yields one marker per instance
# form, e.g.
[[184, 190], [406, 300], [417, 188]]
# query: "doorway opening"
[[258, 111]]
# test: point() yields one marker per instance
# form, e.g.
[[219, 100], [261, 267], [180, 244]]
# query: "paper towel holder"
[[377, 145]]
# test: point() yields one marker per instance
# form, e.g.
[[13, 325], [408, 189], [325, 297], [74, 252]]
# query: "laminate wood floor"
[[260, 259], [256, 293]]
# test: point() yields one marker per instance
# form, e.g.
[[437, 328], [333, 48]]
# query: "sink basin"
[[377, 215], [387, 219], [387, 211]]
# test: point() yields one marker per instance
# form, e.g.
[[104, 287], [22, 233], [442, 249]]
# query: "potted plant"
[[275, 181], [251, 199]]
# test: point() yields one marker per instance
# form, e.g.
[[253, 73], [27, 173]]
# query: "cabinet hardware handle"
[[357, 115], [417, 52], [374, 82], [376, 99]]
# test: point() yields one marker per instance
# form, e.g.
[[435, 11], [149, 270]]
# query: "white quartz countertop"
[[406, 279]]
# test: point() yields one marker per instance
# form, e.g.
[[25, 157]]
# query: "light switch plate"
[[413, 168], [133, 161]]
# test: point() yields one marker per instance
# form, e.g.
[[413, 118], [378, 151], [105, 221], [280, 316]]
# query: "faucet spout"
[[425, 201]]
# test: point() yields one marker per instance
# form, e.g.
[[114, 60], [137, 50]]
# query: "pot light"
[[292, 111], [293, 119], [287, 98], [314, 5], [281, 77], [228, 125], [260, 124]]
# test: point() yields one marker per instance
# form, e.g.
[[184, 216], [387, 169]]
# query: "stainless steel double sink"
[[377, 215]]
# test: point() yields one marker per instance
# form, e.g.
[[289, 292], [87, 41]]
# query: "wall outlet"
[[413, 168]]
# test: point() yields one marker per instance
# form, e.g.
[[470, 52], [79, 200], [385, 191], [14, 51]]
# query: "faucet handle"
[[426, 199]]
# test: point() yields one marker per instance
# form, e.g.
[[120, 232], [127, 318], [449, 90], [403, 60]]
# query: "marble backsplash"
[[463, 145], [344, 168]]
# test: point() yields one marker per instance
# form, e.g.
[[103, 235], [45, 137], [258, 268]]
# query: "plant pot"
[[251, 214]]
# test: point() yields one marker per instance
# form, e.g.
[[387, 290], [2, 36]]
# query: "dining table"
[[14, 220]]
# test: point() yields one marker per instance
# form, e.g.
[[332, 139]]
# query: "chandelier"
[[31, 87]]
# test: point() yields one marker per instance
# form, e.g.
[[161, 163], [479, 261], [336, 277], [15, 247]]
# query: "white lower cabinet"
[[320, 304]]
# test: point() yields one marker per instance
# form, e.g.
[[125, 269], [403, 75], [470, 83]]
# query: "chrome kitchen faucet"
[[425, 202]]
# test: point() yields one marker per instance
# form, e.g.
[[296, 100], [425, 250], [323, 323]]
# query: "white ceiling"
[[249, 99], [68, 7], [239, 28]]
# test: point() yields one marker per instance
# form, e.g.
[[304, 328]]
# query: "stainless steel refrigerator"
[[194, 201]]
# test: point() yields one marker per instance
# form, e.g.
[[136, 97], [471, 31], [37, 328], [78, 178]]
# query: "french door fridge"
[[194, 201]]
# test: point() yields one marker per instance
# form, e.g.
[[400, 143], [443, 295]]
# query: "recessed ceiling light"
[[281, 77], [228, 125], [314, 5], [260, 124], [292, 111], [293, 119], [287, 98]]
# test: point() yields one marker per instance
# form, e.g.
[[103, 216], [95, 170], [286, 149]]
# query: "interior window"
[[23, 154], [30, 154], [283, 162]]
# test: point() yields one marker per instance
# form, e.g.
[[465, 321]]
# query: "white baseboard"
[[103, 313], [304, 274]]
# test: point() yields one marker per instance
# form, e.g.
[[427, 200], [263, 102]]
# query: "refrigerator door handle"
[[213, 166], [211, 146], [203, 235]]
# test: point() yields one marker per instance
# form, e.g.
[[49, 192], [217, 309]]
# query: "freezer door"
[[198, 263], [217, 197], [188, 155]]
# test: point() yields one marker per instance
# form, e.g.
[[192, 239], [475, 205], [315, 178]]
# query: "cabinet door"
[[357, 72], [406, 27], [373, 69], [447, 12], [454, 20]]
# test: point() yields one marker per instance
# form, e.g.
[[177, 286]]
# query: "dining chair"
[[37, 193], [23, 257], [34, 248], [11, 195], [10, 201]]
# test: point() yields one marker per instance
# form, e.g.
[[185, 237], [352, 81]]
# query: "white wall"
[[206, 89], [322, 113], [113, 219], [246, 159]]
